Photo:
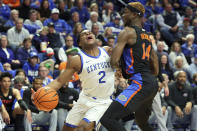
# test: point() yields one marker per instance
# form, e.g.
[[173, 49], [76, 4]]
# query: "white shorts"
[[87, 108]]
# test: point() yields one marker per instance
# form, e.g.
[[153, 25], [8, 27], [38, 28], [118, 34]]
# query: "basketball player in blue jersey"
[[140, 66], [97, 77]]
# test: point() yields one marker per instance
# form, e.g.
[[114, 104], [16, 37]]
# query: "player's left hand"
[[32, 95], [28, 115]]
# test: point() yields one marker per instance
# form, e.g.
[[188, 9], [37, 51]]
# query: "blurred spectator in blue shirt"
[[6, 54], [192, 69], [76, 31], [189, 48], [115, 25], [13, 18], [23, 53], [31, 67], [82, 10], [60, 25], [4, 10]]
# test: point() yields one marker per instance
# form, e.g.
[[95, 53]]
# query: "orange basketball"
[[45, 99]]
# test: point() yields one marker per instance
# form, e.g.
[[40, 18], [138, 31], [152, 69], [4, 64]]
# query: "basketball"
[[45, 99]]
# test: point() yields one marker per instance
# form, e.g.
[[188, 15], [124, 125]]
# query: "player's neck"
[[5, 90], [135, 22], [92, 51]]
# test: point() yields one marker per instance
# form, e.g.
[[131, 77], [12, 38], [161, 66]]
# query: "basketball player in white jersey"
[[97, 77]]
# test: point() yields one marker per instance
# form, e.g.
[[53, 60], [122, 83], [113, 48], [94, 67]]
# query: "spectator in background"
[[67, 96], [6, 54], [176, 51], [38, 117], [165, 67], [31, 67], [44, 10], [55, 39], [4, 11], [194, 82], [95, 31], [64, 12], [169, 22], [159, 38], [178, 66], [17, 34], [94, 7], [82, 10], [24, 9], [40, 40], [43, 73], [7, 68], [111, 41], [33, 24], [74, 20], [62, 51], [160, 49], [76, 31], [189, 48], [21, 73], [189, 13], [13, 19], [35, 4], [60, 25], [180, 100], [93, 20], [109, 13], [194, 23], [185, 29], [115, 25], [23, 53], [192, 69]]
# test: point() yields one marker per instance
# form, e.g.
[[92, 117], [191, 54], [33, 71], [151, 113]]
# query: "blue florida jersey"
[[96, 74]]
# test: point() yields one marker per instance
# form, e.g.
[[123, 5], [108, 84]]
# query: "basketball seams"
[[47, 94], [43, 99]]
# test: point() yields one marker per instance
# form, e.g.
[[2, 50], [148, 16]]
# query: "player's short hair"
[[5, 74], [136, 7]]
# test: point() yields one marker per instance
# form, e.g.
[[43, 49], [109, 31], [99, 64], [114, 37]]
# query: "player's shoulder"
[[74, 62], [128, 31]]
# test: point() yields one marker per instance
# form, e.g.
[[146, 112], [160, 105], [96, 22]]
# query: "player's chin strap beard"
[[132, 9]]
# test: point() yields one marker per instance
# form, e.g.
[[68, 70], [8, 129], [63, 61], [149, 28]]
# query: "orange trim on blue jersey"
[[131, 53], [133, 93]]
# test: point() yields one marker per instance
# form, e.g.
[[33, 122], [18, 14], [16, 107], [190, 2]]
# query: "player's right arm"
[[73, 65], [154, 64]]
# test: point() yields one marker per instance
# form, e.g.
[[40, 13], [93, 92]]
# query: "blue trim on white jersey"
[[92, 56], [81, 64], [86, 120], [105, 51], [70, 125]]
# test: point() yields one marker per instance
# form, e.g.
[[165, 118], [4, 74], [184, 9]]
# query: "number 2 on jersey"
[[146, 52], [102, 73]]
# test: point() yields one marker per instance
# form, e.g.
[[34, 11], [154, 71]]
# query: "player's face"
[[87, 38], [6, 83]]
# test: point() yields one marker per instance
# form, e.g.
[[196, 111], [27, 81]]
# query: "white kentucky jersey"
[[96, 74]]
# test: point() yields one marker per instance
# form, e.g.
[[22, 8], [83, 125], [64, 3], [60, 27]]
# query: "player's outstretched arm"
[[125, 36], [73, 65]]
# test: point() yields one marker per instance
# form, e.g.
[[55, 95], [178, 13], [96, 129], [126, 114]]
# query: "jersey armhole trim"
[[81, 57], [70, 125], [105, 51]]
